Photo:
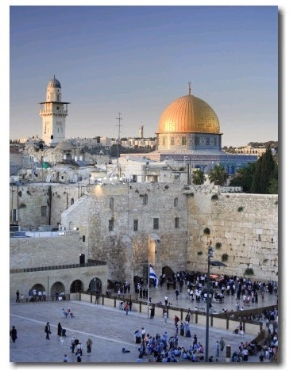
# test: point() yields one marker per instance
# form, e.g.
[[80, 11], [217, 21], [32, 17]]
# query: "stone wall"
[[243, 226], [46, 251]]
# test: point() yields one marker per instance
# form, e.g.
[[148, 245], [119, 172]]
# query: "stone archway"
[[57, 288], [37, 292], [76, 286], [95, 285]]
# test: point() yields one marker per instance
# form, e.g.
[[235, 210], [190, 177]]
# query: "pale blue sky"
[[138, 59]]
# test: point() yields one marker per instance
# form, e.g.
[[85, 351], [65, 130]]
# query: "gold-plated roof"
[[189, 114]]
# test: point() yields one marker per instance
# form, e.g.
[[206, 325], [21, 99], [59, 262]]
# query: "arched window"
[[72, 201], [145, 199], [175, 202]]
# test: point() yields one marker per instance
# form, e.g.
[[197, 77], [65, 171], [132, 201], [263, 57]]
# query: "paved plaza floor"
[[109, 328]]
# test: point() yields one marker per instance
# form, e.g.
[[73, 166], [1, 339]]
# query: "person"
[[66, 358], [73, 343], [78, 358], [181, 329], [47, 330], [152, 312], [166, 300], [13, 334], [79, 349], [126, 308], [177, 293], [143, 334], [217, 349], [165, 314], [17, 296], [59, 329], [195, 340], [176, 319], [222, 344], [89, 345]]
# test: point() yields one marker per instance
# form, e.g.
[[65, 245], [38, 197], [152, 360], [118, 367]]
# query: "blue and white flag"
[[152, 275]]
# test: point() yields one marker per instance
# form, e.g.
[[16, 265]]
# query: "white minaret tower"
[[53, 112]]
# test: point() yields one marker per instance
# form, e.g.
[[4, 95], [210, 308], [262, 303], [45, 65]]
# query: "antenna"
[[118, 143], [190, 88]]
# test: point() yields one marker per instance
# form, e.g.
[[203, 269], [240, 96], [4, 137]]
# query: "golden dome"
[[189, 114]]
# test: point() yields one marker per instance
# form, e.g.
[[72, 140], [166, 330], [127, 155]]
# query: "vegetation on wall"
[[214, 197], [249, 271], [218, 245], [240, 209], [206, 231]]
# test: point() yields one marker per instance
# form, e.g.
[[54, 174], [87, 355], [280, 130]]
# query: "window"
[[176, 222], [155, 223], [43, 211], [111, 203], [183, 140], [164, 141], [175, 202], [145, 199], [207, 141], [111, 224], [72, 201], [196, 140], [172, 141], [135, 225]]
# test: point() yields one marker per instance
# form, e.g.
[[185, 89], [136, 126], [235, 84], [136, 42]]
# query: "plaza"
[[110, 330]]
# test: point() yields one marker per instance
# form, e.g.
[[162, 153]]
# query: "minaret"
[[141, 132], [53, 112]]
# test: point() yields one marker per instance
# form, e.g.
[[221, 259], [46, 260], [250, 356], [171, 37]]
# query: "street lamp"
[[209, 263]]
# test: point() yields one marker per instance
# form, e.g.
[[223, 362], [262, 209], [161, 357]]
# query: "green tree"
[[198, 177], [218, 175], [244, 177], [265, 179]]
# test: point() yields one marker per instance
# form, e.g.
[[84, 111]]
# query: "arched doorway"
[[37, 293], [95, 286], [57, 288], [76, 286]]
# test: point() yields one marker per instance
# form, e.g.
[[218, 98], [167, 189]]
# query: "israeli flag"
[[152, 275]]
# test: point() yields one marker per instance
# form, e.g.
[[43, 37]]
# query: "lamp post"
[[209, 255], [209, 263]]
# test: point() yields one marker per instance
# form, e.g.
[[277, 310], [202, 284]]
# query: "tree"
[[198, 177], [218, 175], [244, 177], [266, 174]]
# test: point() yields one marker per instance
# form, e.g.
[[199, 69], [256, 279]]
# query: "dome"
[[54, 83], [189, 114]]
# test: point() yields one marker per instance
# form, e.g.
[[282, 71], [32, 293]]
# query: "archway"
[[37, 293], [76, 286], [95, 285], [57, 288]]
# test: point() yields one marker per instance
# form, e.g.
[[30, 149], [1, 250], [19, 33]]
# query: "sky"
[[136, 60]]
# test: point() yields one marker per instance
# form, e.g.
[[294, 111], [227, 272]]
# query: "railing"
[[59, 267]]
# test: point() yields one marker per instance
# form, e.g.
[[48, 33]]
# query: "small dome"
[[54, 83], [189, 114]]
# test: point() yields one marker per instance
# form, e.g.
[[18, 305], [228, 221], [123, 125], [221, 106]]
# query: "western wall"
[[170, 226]]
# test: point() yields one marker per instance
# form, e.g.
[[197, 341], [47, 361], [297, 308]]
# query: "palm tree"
[[218, 175], [198, 177]]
